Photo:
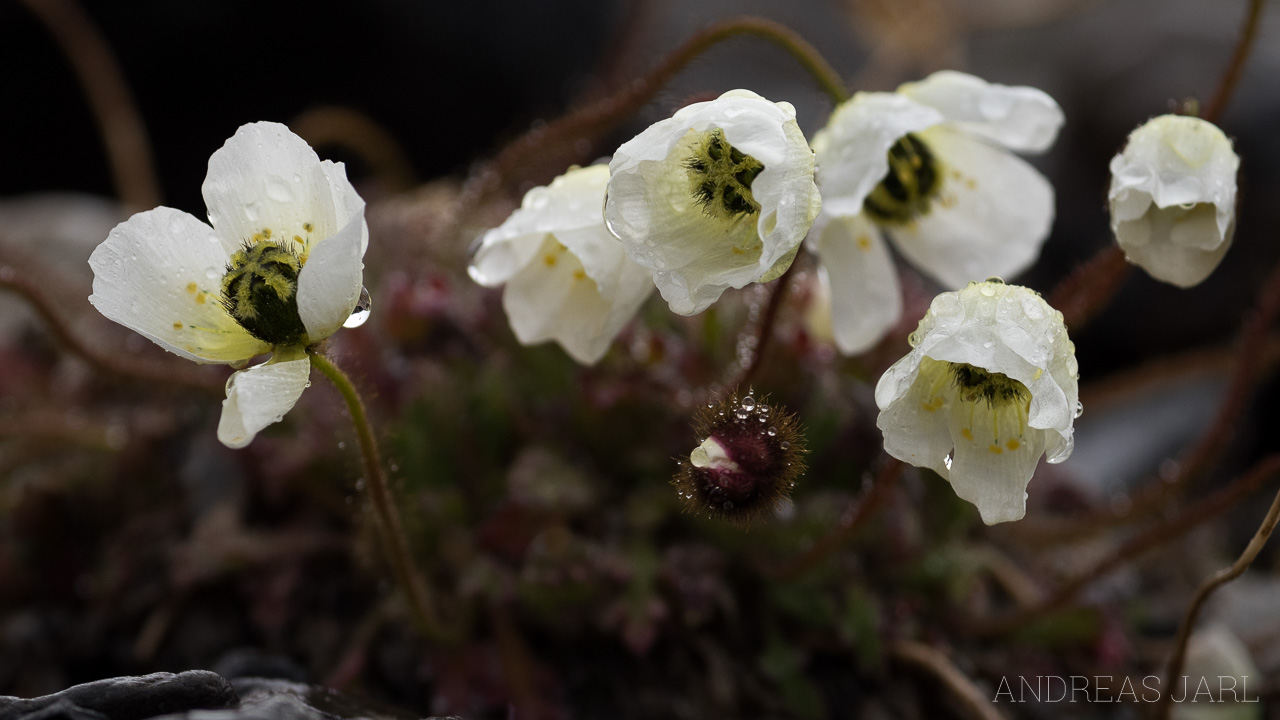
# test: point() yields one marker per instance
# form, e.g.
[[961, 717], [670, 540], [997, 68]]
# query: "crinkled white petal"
[[915, 420], [330, 281], [267, 181], [1020, 118], [998, 328], [160, 274], [862, 282], [553, 298], [1172, 198], [260, 396], [852, 151], [695, 256], [990, 216], [571, 205]]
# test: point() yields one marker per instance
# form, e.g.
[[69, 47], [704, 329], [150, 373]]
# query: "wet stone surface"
[[195, 695]]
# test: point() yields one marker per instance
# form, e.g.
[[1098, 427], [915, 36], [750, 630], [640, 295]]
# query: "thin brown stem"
[[123, 132], [389, 525], [357, 132], [1220, 578], [1250, 359], [850, 521], [114, 363], [1090, 287], [593, 120], [1149, 539], [765, 331], [972, 702], [1235, 67]]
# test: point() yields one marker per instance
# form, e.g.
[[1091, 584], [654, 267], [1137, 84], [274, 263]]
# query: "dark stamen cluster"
[[908, 188], [978, 384], [721, 177], [260, 291]]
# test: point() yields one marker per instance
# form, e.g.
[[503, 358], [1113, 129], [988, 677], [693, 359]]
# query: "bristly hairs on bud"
[[747, 461]]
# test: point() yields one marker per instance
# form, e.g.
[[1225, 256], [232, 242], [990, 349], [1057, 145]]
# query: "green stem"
[[389, 526]]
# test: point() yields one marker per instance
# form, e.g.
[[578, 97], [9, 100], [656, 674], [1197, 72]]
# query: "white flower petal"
[[267, 181], [329, 283], [914, 416], [260, 396], [855, 265], [1020, 118], [695, 255], [852, 151], [1172, 198], [160, 274], [553, 298], [993, 461], [992, 213]]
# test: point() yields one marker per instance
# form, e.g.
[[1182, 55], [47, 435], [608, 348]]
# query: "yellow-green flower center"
[[720, 177], [908, 188], [260, 291], [996, 388]]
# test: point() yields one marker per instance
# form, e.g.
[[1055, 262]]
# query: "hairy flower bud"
[[747, 462]]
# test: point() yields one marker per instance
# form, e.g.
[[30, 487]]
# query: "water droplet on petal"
[[1079, 408], [748, 403], [361, 312], [773, 432]]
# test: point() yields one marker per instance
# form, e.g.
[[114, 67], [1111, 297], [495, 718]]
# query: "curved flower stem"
[[1220, 578], [1090, 287], [391, 530], [1250, 361], [1152, 537], [852, 519], [973, 703], [1231, 76], [357, 132], [598, 117], [102, 81]]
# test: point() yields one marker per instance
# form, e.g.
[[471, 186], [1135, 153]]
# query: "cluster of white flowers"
[[931, 166], [719, 196]]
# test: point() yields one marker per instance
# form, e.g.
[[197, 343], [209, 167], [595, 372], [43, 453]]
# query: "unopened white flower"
[[932, 165], [280, 269], [989, 386], [1173, 198], [718, 196], [567, 279]]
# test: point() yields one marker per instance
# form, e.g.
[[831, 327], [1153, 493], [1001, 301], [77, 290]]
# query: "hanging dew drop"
[[361, 312], [1079, 408]]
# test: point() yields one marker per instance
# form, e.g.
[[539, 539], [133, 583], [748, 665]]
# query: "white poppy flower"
[[280, 269], [989, 386], [567, 279], [718, 196], [1173, 198], [932, 165]]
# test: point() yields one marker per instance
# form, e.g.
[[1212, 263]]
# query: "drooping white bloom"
[[933, 166], [280, 269], [717, 196], [989, 386], [567, 279], [1173, 198]]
